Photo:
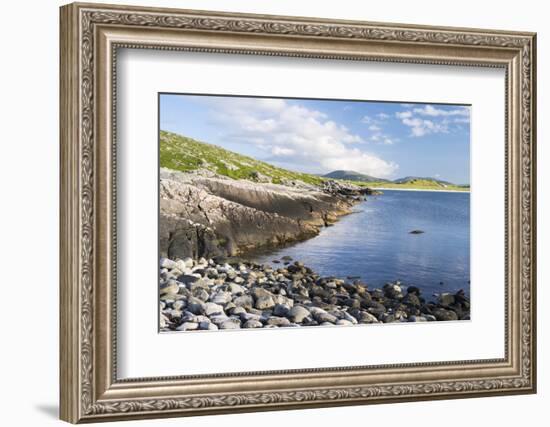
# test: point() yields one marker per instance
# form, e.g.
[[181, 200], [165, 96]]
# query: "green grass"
[[185, 154]]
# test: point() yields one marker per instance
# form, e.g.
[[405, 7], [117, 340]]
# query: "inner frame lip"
[[504, 362]]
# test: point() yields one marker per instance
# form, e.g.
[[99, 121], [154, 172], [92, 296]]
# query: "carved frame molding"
[[90, 36]]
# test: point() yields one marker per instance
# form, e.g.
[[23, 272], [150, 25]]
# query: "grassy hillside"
[[412, 179], [185, 154]]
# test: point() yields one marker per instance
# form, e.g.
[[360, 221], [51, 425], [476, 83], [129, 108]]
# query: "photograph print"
[[289, 213]]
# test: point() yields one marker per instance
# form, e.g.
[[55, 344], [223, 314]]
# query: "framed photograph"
[[267, 212]]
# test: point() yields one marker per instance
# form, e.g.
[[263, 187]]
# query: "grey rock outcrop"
[[206, 215]]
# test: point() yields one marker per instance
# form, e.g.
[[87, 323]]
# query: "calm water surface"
[[374, 242]]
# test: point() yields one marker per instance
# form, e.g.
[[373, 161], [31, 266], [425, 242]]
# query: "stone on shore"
[[299, 313], [251, 324], [245, 301], [212, 296], [230, 324], [171, 287], [211, 308], [187, 326], [281, 310], [264, 302], [446, 299], [445, 315]]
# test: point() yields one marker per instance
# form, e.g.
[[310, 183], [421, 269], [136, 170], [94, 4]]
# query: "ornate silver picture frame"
[[91, 37]]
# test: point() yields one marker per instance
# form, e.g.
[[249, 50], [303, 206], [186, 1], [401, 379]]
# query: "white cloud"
[[356, 161], [282, 151], [429, 119], [380, 138], [429, 110], [421, 127], [367, 120], [403, 114], [376, 127], [288, 131]]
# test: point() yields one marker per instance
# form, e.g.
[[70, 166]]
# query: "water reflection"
[[375, 244]]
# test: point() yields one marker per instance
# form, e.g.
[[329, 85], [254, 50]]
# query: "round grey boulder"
[[264, 302], [221, 298], [170, 288], [188, 279], [281, 310], [245, 301], [230, 324], [211, 308], [187, 326], [299, 313], [325, 318], [278, 321], [195, 305], [252, 324], [445, 315]]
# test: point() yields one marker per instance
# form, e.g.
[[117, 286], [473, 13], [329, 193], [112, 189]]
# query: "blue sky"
[[382, 139]]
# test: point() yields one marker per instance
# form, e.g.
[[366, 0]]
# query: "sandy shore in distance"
[[418, 189]]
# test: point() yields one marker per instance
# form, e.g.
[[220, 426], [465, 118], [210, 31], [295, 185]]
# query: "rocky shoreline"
[[207, 295], [203, 214]]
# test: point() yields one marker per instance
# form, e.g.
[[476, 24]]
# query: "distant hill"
[[408, 182], [353, 176], [413, 179]]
